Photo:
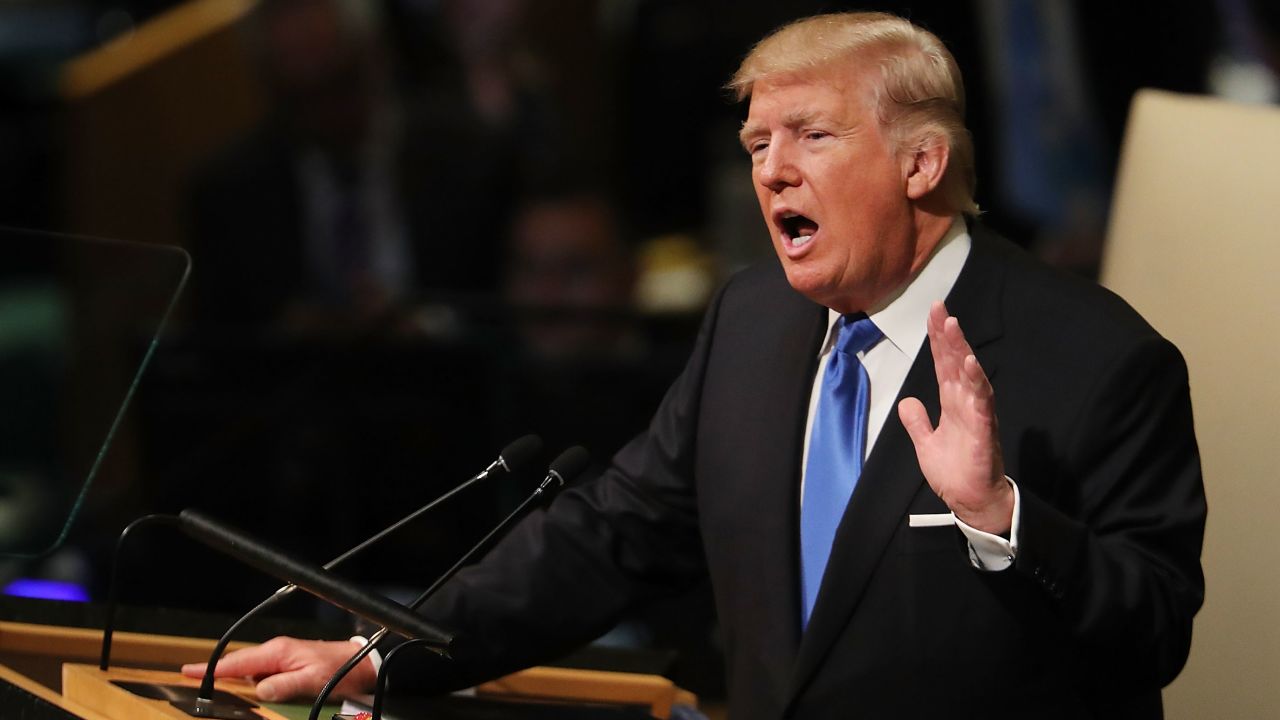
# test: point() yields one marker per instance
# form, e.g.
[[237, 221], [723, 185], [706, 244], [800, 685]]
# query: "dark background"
[[565, 186]]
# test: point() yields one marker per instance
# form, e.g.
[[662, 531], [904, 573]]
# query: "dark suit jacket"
[[1094, 617]]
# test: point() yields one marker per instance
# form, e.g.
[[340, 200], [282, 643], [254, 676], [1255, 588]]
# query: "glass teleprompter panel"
[[79, 318]]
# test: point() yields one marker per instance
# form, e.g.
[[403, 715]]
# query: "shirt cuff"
[[992, 552], [374, 655]]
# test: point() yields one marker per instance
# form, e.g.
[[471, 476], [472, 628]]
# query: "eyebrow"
[[793, 119], [749, 132]]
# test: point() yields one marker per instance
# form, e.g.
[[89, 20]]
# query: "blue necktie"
[[837, 443]]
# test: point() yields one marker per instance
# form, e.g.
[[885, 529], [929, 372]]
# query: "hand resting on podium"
[[286, 668]]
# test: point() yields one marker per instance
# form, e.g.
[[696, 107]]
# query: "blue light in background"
[[46, 590]]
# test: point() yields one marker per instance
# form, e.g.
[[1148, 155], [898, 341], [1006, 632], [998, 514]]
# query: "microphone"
[[567, 466], [314, 579], [513, 457], [516, 454]]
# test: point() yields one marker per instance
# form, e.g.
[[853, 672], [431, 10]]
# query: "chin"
[[812, 285]]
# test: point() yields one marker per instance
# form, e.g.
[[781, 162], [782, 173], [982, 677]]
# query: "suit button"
[[1038, 572]]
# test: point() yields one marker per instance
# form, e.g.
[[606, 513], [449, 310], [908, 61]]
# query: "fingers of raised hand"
[[947, 343], [956, 342], [983, 397], [937, 341], [961, 380], [957, 347]]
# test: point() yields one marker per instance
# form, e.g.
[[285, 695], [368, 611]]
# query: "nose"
[[777, 170]]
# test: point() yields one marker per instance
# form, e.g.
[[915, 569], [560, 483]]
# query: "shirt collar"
[[903, 318]]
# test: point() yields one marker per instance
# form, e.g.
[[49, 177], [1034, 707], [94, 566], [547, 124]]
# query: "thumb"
[[916, 421]]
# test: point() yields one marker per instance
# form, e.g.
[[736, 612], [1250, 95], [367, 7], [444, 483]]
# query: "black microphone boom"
[[312, 578]]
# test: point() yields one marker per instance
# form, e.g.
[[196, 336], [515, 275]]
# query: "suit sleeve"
[[1121, 558], [565, 576]]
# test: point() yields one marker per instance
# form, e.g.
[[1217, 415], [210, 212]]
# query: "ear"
[[925, 167]]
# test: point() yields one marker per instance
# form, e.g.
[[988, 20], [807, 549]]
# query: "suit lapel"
[[783, 444], [891, 476]]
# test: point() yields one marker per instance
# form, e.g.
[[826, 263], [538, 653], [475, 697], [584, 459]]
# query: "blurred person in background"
[[354, 196], [570, 276], [306, 221]]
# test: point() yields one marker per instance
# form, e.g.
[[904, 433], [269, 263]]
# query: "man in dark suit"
[[1045, 565]]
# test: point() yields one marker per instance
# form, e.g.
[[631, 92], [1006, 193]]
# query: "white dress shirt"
[[902, 319]]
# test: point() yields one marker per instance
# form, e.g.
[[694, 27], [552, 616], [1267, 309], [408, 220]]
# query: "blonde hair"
[[920, 97]]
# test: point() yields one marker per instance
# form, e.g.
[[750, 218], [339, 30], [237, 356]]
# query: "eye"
[[814, 135], [756, 147]]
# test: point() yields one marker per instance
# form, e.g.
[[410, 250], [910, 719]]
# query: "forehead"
[[838, 93]]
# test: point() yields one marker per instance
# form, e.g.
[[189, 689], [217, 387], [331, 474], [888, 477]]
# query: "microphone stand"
[[108, 625], [380, 689], [514, 454], [574, 457]]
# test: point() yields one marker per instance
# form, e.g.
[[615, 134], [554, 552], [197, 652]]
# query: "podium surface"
[[49, 672], [90, 686], [32, 657]]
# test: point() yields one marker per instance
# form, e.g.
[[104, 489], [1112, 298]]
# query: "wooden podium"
[[32, 660], [88, 686], [32, 700], [53, 672]]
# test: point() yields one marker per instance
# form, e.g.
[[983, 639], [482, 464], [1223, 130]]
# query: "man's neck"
[[937, 234], [931, 228]]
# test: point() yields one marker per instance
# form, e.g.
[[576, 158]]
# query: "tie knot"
[[856, 334]]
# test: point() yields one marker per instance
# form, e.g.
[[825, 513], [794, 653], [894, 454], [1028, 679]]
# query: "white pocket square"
[[932, 520]]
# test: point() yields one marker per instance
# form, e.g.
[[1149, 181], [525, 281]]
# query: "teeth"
[[797, 242]]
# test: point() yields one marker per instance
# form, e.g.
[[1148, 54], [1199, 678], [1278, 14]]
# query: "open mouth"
[[797, 230]]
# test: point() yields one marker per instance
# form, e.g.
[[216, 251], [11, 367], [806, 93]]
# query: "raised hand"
[[960, 458], [287, 668]]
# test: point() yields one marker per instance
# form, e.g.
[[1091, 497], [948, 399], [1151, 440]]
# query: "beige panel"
[[1194, 245]]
